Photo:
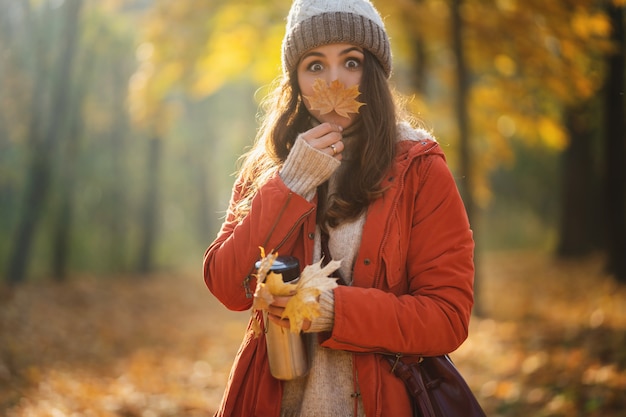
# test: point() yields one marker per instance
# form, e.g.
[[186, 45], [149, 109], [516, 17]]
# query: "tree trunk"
[[418, 75], [118, 219], [615, 148], [463, 122], [579, 231], [461, 108], [40, 169], [150, 207], [61, 238], [202, 173]]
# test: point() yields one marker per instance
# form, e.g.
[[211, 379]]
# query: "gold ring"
[[334, 149]]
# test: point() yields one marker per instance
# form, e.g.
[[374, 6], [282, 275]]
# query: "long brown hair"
[[374, 149]]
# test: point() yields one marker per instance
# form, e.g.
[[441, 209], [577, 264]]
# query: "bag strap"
[[411, 374]]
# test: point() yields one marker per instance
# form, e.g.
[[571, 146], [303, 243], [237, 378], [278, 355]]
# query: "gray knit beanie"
[[312, 23]]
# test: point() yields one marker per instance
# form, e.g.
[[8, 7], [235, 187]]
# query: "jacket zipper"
[[293, 228], [377, 277]]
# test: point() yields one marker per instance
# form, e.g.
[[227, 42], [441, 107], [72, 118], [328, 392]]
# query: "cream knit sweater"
[[328, 389]]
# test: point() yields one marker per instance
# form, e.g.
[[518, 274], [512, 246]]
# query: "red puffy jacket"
[[412, 289]]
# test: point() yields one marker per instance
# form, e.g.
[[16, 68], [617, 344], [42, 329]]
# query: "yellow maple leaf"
[[262, 297], [265, 264], [316, 276], [277, 287], [305, 304], [335, 96], [262, 294]]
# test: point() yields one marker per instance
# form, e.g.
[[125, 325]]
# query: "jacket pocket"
[[394, 257]]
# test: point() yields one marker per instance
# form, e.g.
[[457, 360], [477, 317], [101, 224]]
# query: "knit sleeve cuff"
[[325, 321], [306, 167]]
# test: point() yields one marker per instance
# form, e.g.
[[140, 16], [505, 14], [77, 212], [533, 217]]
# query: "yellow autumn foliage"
[[303, 304]]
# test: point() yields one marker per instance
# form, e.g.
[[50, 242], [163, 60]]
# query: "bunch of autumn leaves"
[[314, 279], [303, 304]]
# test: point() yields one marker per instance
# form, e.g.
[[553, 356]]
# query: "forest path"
[[553, 344]]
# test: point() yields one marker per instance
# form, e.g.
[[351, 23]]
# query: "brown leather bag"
[[436, 387]]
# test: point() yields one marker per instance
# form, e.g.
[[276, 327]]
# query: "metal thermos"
[[286, 350]]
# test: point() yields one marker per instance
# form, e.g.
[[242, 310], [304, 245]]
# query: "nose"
[[333, 73]]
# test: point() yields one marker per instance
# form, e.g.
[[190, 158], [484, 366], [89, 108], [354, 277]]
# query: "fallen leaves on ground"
[[552, 343], [125, 346]]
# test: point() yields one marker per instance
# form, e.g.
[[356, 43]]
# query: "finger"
[[324, 141], [275, 311], [324, 128], [277, 320], [335, 149], [321, 131], [281, 301]]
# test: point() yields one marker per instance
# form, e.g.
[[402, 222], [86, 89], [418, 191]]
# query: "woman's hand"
[[326, 138], [276, 310]]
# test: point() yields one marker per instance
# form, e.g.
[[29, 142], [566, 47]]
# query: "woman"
[[374, 191]]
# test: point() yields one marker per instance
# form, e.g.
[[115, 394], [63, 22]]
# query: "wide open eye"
[[315, 67], [353, 63]]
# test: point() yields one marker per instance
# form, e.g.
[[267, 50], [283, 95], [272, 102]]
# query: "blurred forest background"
[[120, 125]]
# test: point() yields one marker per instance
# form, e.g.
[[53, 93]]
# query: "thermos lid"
[[288, 266]]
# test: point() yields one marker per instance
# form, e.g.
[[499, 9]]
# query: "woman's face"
[[338, 61]]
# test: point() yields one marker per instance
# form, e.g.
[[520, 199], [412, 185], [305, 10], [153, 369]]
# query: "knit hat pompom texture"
[[313, 23]]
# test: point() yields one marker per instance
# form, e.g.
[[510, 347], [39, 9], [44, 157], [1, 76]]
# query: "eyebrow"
[[344, 52]]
